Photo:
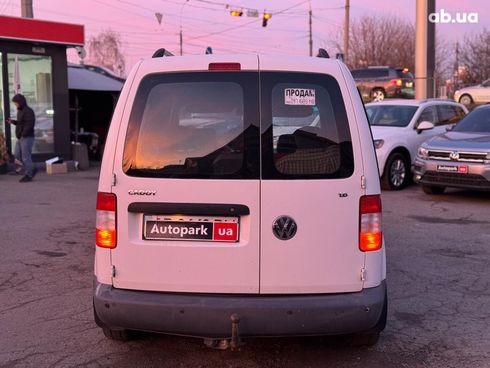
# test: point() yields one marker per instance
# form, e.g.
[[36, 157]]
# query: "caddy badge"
[[142, 192]]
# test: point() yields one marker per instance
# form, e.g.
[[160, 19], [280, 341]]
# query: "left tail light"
[[370, 228], [397, 82], [105, 224]]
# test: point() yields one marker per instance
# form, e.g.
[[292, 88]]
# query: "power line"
[[247, 23], [91, 19], [221, 32], [134, 34], [194, 6], [136, 43], [139, 6], [226, 5], [317, 10], [118, 8], [166, 14], [326, 20]]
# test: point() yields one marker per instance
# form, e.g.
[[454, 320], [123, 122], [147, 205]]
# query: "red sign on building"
[[34, 30]]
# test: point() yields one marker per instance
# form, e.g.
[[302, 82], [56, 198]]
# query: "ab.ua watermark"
[[444, 17]]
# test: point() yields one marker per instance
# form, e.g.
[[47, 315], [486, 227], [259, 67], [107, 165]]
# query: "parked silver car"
[[459, 158], [479, 94]]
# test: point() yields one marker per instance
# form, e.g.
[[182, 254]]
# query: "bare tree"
[[444, 61], [475, 57], [104, 50], [381, 41]]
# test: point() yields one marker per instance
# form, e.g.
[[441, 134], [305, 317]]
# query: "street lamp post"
[[180, 33]]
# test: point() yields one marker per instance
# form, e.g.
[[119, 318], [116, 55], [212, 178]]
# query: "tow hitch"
[[223, 344]]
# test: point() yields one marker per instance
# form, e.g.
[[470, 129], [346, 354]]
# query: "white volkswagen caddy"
[[239, 196]]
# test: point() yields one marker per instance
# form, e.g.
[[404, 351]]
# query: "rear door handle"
[[194, 209]]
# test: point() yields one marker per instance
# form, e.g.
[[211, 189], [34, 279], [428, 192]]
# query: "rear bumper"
[[208, 315]]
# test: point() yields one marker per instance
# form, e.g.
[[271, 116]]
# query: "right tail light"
[[370, 229]]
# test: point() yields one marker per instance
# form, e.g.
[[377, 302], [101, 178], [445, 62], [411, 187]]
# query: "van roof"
[[246, 61]]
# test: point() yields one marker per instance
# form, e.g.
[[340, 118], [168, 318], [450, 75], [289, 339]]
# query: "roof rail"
[[322, 53], [161, 53]]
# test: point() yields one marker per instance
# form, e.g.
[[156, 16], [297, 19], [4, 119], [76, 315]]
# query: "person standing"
[[24, 131]]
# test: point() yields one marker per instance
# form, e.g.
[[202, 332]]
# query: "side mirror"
[[449, 128], [424, 125]]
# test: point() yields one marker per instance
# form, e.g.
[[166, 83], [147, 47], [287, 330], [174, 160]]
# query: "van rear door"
[[187, 182], [311, 183]]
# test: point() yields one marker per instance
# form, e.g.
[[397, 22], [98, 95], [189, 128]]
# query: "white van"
[[239, 196]]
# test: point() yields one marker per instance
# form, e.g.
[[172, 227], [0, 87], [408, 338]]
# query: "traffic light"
[[236, 13], [265, 18]]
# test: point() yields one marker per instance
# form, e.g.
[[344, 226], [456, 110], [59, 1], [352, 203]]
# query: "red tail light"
[[370, 229], [225, 66], [396, 82], [105, 225]]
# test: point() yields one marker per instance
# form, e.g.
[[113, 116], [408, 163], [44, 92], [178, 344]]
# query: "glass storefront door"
[[2, 110], [31, 75], [3, 143]]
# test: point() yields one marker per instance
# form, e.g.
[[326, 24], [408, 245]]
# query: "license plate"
[[193, 228], [453, 169]]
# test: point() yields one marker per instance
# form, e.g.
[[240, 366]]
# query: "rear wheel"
[[377, 94], [430, 189], [364, 339], [118, 335], [466, 100], [397, 172]]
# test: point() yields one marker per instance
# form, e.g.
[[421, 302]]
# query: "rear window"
[[206, 126], [197, 125], [370, 73], [307, 133], [359, 73], [376, 73]]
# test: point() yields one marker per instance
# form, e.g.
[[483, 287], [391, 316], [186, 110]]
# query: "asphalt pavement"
[[438, 251]]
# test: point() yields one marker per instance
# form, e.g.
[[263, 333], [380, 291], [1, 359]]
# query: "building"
[[93, 95], [33, 62]]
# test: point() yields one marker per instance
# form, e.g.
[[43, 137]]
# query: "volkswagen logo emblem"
[[284, 227], [454, 155]]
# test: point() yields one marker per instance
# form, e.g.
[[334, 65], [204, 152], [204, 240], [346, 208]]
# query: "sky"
[[208, 22]]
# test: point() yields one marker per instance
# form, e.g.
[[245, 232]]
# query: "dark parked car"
[[380, 82]]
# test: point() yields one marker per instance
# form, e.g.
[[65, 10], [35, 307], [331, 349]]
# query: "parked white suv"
[[215, 221], [399, 127]]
